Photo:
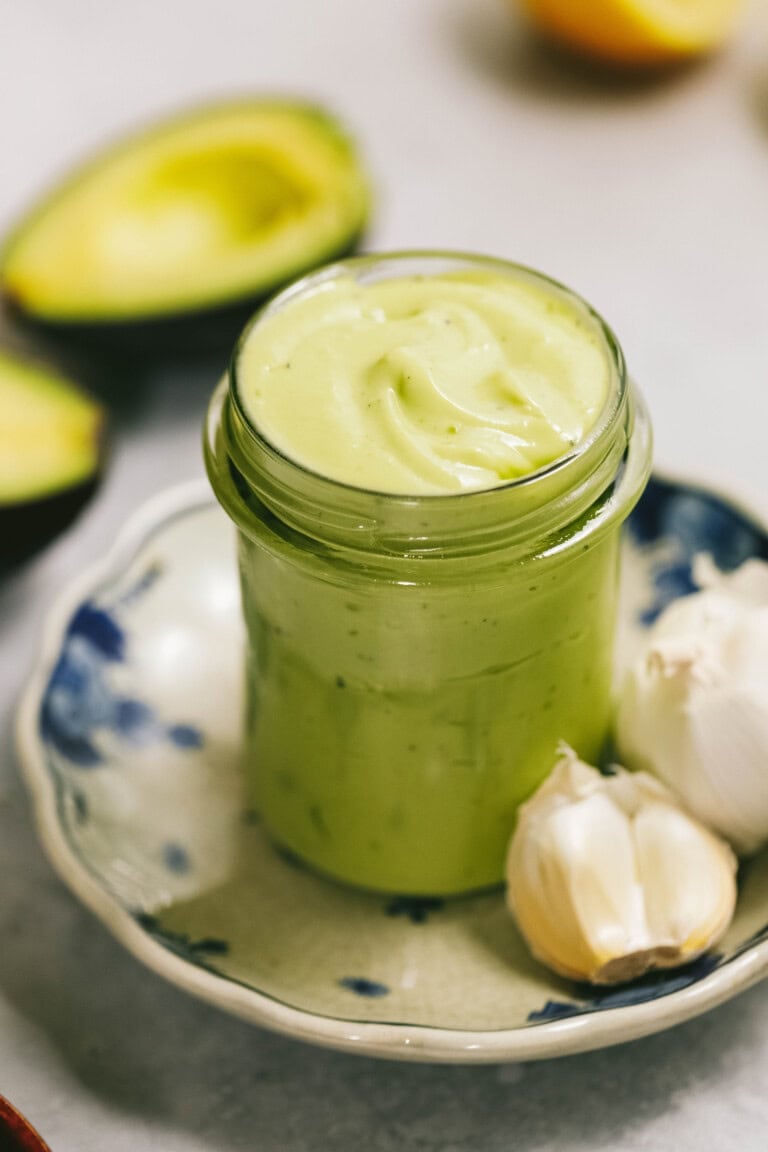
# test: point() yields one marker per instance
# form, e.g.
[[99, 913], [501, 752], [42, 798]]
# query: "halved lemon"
[[639, 32]]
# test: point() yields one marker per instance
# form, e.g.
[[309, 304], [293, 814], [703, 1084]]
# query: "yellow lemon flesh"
[[637, 32]]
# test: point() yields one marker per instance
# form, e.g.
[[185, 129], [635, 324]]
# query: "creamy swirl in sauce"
[[426, 384]]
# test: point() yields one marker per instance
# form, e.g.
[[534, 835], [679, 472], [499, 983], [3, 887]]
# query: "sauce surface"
[[426, 384]]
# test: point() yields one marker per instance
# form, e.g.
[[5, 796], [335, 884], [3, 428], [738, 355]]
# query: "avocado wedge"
[[208, 212], [50, 454]]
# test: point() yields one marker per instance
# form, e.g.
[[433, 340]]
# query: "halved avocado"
[[208, 211], [50, 454]]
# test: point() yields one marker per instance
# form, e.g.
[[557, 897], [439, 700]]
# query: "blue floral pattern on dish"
[[651, 987], [79, 702], [417, 909], [698, 522], [362, 986], [196, 951], [176, 858]]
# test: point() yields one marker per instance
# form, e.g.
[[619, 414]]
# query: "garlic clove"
[[694, 707], [687, 876], [608, 877]]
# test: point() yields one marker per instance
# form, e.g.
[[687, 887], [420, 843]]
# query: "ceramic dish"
[[16, 1133], [130, 736]]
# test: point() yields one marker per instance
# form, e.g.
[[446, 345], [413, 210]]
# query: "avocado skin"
[[26, 528], [174, 337]]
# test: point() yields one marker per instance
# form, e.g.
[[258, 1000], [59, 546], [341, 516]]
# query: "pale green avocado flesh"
[[50, 434], [201, 212]]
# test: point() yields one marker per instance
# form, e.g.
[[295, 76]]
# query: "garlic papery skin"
[[694, 705], [608, 877]]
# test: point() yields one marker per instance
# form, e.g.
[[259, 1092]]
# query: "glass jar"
[[413, 661]]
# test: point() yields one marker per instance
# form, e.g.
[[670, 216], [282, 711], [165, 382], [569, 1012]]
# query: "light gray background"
[[649, 198]]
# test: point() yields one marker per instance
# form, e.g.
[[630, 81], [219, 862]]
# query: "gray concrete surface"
[[650, 198]]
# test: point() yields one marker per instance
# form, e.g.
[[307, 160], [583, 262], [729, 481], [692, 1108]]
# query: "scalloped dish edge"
[[394, 1041]]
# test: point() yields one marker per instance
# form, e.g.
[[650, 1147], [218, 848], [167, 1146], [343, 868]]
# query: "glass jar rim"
[[555, 509]]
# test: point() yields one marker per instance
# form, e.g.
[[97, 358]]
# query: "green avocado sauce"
[[400, 708], [426, 384]]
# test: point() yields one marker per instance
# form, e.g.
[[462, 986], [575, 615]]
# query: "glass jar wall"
[[413, 661]]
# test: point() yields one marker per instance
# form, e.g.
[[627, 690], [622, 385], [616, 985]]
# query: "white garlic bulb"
[[694, 705], [608, 877]]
